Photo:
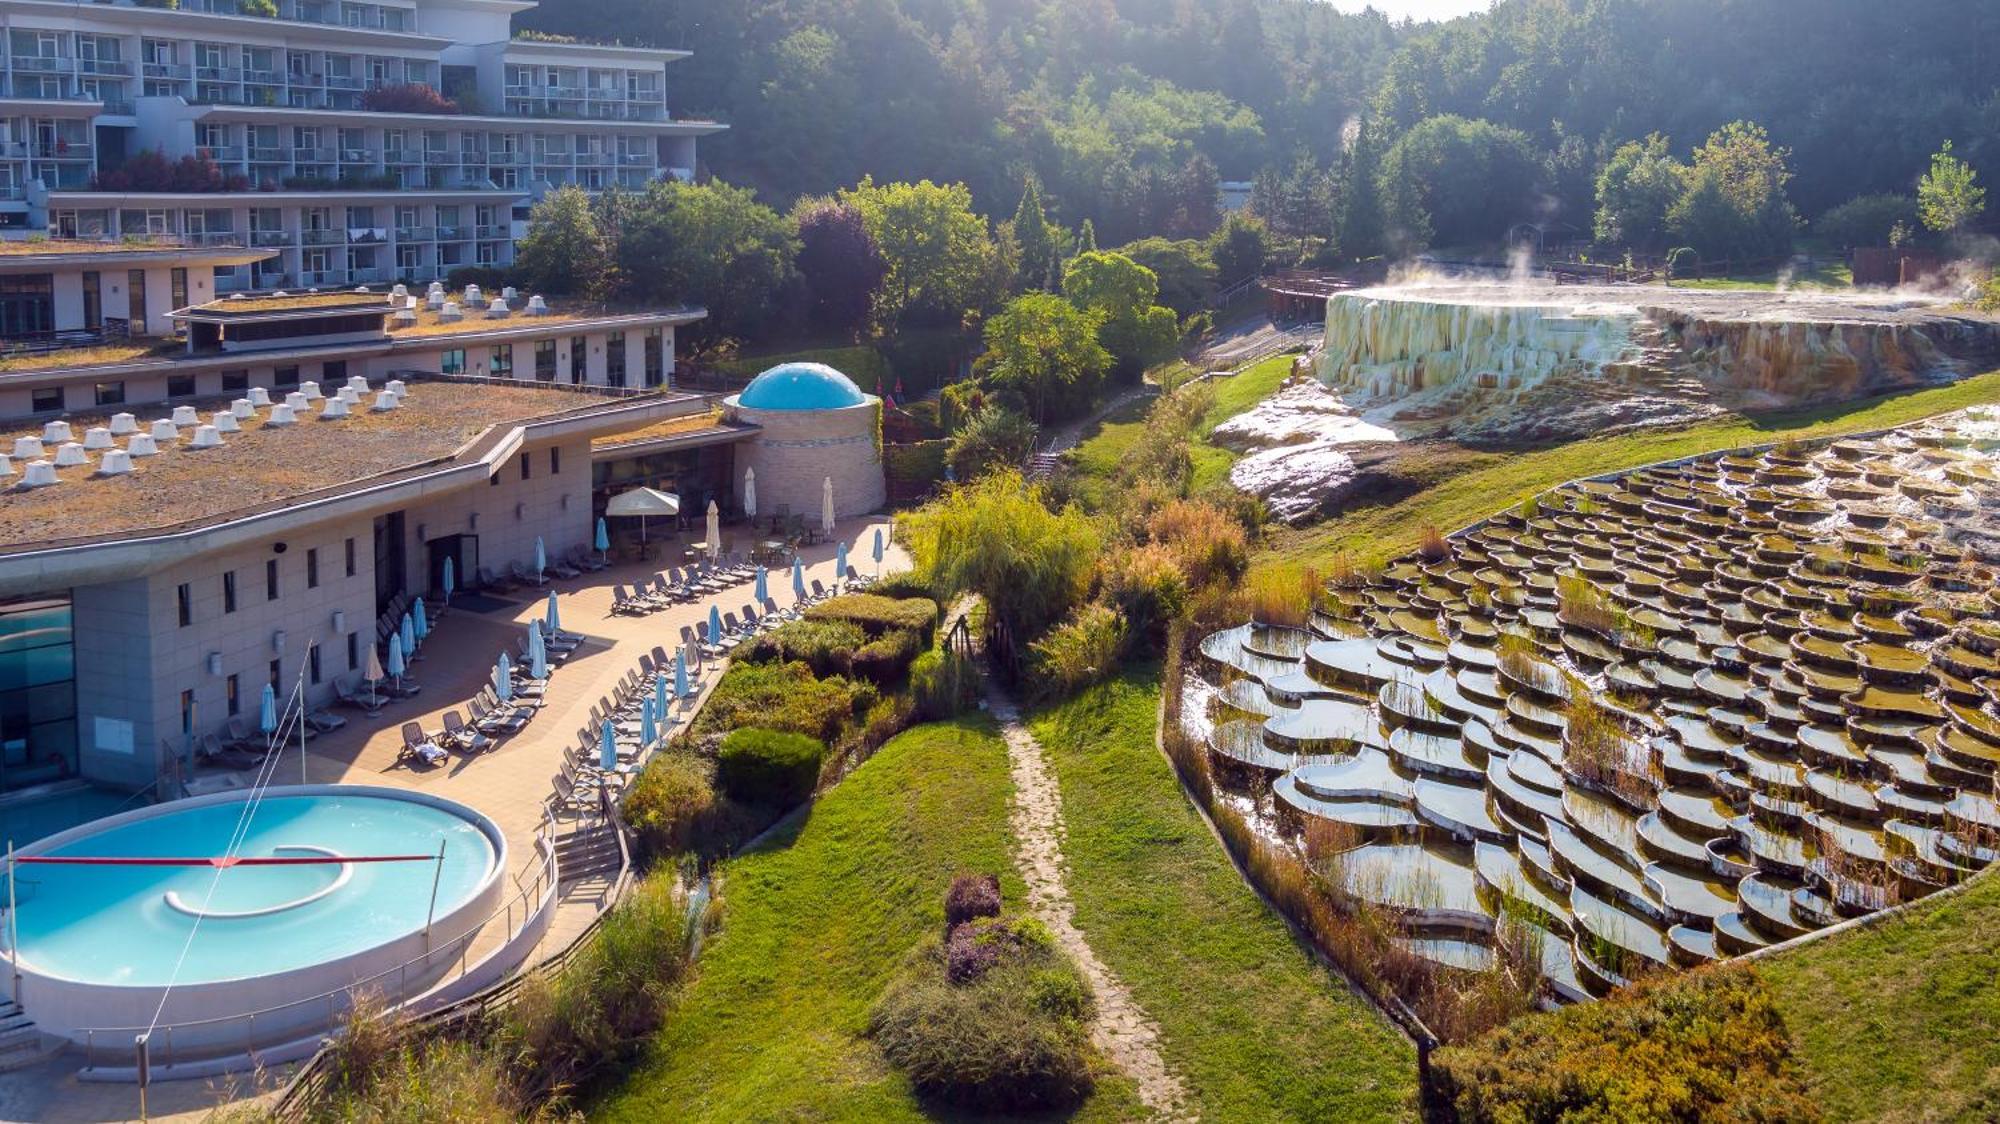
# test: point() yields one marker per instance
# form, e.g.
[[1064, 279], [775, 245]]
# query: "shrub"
[[1206, 542], [1706, 1045], [884, 661], [877, 614], [411, 97], [826, 646], [994, 537], [784, 696], [1079, 651], [943, 684], [994, 436], [971, 897], [1283, 595], [668, 803], [1146, 586], [759, 766]]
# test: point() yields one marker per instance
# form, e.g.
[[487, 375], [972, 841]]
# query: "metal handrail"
[[545, 882]]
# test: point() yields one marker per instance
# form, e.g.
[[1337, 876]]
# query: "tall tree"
[[1947, 196], [1121, 293], [1041, 250], [1239, 248], [709, 243], [1453, 180], [839, 262], [1044, 350], [1358, 227], [564, 251], [1635, 189], [1734, 203], [941, 256]]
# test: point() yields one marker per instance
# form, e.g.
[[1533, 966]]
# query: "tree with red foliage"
[[150, 170], [840, 263], [411, 97]]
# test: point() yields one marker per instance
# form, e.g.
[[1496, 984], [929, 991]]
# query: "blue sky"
[[1416, 9]]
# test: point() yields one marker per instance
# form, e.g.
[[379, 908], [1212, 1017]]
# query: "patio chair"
[[208, 749], [585, 559], [818, 591], [562, 568], [419, 746], [406, 688], [709, 647], [237, 735], [355, 695], [324, 721], [462, 736], [489, 718], [521, 574], [488, 580]]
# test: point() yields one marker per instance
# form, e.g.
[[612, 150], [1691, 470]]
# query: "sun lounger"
[[348, 694], [462, 736], [419, 746]]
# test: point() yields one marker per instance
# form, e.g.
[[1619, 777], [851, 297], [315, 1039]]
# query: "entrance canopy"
[[642, 502]]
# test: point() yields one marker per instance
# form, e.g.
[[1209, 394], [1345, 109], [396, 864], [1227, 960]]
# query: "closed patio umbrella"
[[538, 652], [681, 673], [763, 585], [714, 530], [660, 691], [503, 678], [798, 578], [878, 552], [607, 747], [407, 633], [396, 662], [552, 618], [267, 712], [449, 581], [715, 624], [423, 620], [750, 493], [826, 506], [602, 542], [648, 732], [840, 562], [541, 559]]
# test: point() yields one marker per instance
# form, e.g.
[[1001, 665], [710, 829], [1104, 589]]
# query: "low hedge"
[[885, 660], [773, 767], [825, 646], [943, 684], [668, 803], [878, 614], [785, 696]]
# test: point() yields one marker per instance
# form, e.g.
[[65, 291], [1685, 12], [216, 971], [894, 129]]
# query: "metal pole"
[[145, 1068], [436, 877], [13, 926]]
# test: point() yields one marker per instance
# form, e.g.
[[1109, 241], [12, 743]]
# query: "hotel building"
[[327, 145]]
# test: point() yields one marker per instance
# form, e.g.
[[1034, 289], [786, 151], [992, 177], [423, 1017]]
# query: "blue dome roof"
[[801, 386]]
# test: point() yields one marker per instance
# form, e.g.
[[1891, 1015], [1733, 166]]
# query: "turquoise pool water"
[[26, 819], [127, 925]]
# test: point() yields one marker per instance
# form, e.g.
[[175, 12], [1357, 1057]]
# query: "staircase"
[[1041, 466], [589, 851], [20, 1043]]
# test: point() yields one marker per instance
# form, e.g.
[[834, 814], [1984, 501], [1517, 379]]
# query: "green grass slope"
[[816, 922], [1256, 1028]]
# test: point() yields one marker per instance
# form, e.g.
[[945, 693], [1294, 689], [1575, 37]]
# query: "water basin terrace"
[[1658, 719]]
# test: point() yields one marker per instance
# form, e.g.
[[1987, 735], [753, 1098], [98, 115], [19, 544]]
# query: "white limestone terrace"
[[441, 429]]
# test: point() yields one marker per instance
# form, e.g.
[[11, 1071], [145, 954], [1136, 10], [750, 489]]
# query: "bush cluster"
[[824, 645], [773, 767], [669, 803], [943, 684], [785, 696], [885, 660], [877, 614], [993, 1017]]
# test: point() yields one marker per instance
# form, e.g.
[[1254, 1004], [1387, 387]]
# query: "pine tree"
[[1358, 230], [1086, 239], [1037, 238]]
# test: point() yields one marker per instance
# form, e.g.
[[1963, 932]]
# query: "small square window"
[[184, 601], [286, 376], [235, 382], [271, 579], [47, 400], [180, 386], [110, 393]]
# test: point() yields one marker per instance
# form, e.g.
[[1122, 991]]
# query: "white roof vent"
[[498, 310], [387, 401], [283, 414], [509, 293], [404, 317], [473, 295], [166, 430], [97, 437], [537, 306], [40, 474], [242, 409], [398, 388], [357, 383], [225, 422], [348, 395], [309, 389], [435, 287], [297, 401], [143, 445], [334, 410], [450, 313], [116, 462], [206, 437], [259, 396], [69, 454], [434, 300], [281, 293], [400, 291], [27, 448], [57, 432], [123, 424], [6, 466], [186, 415]]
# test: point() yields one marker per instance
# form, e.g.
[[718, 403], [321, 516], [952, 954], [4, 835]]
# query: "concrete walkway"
[[509, 783], [1122, 1029]]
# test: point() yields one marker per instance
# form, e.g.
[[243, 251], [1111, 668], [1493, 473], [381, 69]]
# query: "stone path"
[[1122, 1029]]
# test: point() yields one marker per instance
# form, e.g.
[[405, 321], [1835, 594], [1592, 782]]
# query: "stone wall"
[[798, 449]]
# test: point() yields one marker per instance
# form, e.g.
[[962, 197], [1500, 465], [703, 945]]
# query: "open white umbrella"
[[372, 673], [749, 493], [642, 503], [714, 530], [826, 506]]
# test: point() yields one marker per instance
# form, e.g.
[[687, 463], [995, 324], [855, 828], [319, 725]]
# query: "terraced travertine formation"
[[1660, 719]]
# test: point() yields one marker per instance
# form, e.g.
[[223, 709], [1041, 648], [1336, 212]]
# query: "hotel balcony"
[[217, 74], [169, 70], [416, 233], [271, 238], [39, 64], [103, 66], [268, 156], [324, 237], [494, 231]]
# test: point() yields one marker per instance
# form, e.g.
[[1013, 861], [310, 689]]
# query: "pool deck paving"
[[510, 783]]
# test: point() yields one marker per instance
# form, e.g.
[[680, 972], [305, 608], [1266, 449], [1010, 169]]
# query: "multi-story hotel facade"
[[363, 142]]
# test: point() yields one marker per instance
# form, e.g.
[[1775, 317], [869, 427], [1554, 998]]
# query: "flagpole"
[[13, 926], [436, 876]]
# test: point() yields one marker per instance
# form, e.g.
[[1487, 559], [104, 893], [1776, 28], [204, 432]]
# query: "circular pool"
[[99, 943]]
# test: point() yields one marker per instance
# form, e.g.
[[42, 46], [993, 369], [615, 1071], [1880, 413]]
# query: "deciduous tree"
[[1948, 196], [840, 264], [564, 251], [1044, 350]]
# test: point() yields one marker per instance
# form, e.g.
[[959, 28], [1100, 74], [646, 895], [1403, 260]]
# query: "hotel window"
[[228, 591], [312, 662], [270, 579], [579, 358], [180, 386], [555, 461], [187, 712], [277, 672], [286, 376], [232, 691], [333, 371], [178, 278], [184, 603], [235, 381], [349, 547], [312, 568], [47, 400], [135, 296], [93, 299], [110, 393], [354, 651], [502, 364], [614, 359], [656, 358], [545, 360], [452, 362], [527, 467]]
